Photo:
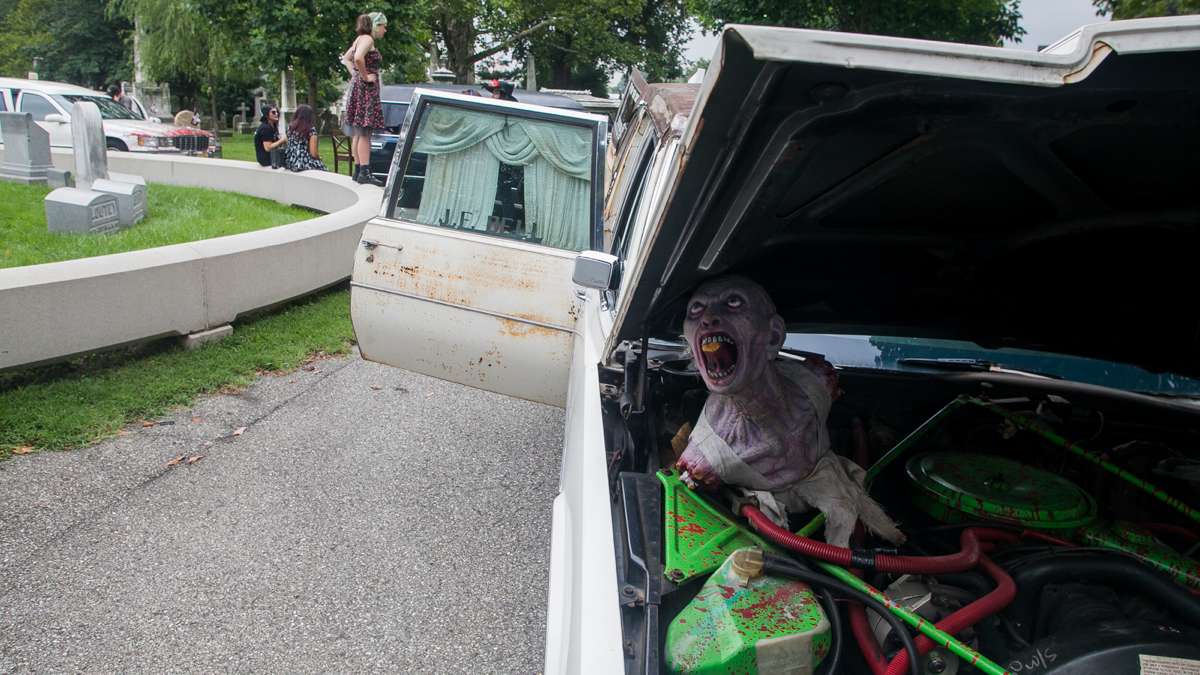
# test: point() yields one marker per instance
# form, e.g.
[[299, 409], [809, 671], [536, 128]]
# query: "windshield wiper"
[[968, 365]]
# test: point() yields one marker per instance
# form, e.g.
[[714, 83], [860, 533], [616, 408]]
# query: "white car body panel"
[[508, 306], [583, 626]]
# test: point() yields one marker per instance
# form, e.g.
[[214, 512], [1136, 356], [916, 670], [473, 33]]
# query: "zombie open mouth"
[[719, 353]]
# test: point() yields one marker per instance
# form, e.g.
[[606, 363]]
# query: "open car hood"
[[882, 186]]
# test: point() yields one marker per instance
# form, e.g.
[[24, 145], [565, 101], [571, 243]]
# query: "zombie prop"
[[763, 427]]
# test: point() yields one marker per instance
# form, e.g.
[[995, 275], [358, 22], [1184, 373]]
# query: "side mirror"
[[594, 269], [56, 118]]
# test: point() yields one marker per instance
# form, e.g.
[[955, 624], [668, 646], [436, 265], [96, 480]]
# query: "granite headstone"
[[98, 202], [26, 149]]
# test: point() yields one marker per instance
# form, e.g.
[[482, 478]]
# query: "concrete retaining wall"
[[58, 310]]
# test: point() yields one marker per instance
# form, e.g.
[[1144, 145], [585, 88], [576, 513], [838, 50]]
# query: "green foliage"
[[987, 22], [310, 35], [576, 45], [1136, 9], [74, 39], [177, 214], [87, 399]]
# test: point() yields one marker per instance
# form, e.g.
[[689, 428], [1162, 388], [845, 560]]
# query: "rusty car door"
[[466, 274]]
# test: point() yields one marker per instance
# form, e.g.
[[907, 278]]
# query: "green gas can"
[[744, 622]]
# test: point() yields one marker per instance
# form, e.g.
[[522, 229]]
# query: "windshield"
[[109, 109], [865, 351]]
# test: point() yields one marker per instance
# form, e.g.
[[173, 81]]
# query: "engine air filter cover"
[[958, 487]]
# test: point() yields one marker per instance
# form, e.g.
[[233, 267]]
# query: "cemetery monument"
[[99, 202]]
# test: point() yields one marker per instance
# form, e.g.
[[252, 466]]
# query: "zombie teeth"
[[713, 339], [722, 374]]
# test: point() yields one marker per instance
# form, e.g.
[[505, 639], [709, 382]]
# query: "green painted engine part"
[[1139, 543], [698, 537], [746, 625], [962, 487]]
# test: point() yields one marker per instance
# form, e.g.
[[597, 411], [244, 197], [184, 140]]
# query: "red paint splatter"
[[692, 528], [727, 591]]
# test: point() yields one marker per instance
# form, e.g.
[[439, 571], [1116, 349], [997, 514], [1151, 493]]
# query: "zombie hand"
[[698, 470]]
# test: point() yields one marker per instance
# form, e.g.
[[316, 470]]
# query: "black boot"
[[360, 173]]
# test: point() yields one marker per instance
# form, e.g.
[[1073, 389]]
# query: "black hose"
[[784, 567], [1118, 569], [835, 623]]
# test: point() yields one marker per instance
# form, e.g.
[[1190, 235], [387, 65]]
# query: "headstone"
[[26, 149], [87, 138], [131, 199], [57, 178], [75, 210], [98, 202]]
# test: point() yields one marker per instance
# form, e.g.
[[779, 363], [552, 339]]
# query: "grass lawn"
[[238, 146], [85, 400], [175, 215]]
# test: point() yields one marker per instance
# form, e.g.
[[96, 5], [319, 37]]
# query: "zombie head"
[[733, 331]]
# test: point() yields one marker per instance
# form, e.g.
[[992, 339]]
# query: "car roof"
[[402, 93], [46, 86]]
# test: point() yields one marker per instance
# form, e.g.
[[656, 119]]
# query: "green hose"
[[931, 631], [1145, 486]]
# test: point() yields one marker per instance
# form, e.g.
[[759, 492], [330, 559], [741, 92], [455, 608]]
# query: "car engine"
[[1049, 530]]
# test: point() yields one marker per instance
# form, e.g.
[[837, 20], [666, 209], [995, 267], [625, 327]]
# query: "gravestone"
[[26, 149], [98, 202]]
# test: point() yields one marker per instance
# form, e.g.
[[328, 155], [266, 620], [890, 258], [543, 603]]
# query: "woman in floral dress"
[[364, 113], [301, 151]]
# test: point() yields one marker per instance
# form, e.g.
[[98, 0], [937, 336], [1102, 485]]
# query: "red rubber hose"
[[965, 617], [965, 559], [861, 629]]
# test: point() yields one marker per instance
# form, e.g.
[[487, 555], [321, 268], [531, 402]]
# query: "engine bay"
[[1048, 530]]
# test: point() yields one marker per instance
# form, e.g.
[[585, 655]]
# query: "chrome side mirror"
[[594, 269]]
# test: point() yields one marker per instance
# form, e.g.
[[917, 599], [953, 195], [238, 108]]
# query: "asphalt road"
[[366, 519]]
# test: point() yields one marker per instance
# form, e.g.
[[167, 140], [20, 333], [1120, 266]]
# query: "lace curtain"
[[465, 151]]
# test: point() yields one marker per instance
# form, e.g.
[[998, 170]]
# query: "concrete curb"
[[58, 310]]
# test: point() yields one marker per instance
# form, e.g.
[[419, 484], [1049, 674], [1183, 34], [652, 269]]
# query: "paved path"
[[367, 519]]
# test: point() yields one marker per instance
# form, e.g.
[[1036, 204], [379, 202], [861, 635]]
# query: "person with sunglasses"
[[268, 147]]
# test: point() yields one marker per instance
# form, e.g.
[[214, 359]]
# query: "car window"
[[109, 109], [37, 106], [393, 116], [632, 200], [495, 173]]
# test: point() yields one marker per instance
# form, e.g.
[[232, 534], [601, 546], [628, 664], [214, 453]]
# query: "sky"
[[1045, 21]]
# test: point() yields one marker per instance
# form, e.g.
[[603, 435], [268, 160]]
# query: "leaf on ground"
[[147, 424], [22, 450], [376, 387], [173, 462], [196, 420], [194, 458], [238, 431]]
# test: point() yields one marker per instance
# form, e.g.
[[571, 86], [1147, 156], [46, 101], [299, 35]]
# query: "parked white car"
[[50, 105], [936, 219]]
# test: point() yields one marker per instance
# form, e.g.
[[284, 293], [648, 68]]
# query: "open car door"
[[466, 274]]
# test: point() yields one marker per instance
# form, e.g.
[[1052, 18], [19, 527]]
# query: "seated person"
[[267, 143], [301, 152]]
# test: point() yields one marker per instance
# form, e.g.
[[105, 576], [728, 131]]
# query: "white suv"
[[50, 104]]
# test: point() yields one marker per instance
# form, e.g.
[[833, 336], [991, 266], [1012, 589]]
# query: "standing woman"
[[364, 113], [301, 152]]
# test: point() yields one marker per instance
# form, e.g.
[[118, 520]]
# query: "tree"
[[74, 41], [1136, 9], [574, 44], [987, 22], [310, 35]]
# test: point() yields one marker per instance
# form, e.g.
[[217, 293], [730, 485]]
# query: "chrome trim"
[[498, 315]]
